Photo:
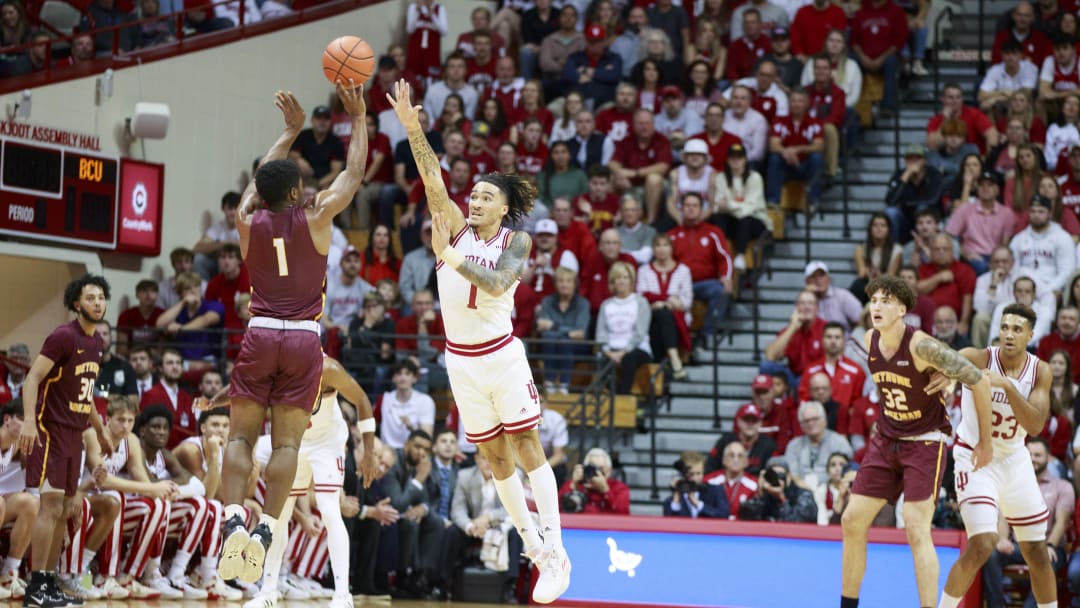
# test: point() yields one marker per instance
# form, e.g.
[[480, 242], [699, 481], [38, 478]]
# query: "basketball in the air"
[[348, 57]]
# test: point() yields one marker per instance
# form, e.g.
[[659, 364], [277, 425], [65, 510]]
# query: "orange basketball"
[[348, 57]]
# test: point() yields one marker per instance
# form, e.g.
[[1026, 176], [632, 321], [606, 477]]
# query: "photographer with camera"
[[778, 498], [591, 489], [689, 496]]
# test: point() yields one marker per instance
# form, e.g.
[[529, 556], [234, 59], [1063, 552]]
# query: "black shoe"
[[255, 553], [39, 594], [236, 538]]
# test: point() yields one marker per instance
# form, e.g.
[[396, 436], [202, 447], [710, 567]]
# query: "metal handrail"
[[662, 371], [947, 12]]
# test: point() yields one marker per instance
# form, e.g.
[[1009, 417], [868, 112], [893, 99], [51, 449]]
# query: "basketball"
[[348, 57]]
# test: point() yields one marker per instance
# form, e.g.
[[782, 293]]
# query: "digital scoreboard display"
[[76, 197]]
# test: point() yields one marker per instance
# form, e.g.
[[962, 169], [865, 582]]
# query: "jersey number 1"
[[472, 297], [282, 262]]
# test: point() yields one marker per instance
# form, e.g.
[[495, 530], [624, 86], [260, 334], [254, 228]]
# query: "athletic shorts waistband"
[[478, 350], [286, 325], [931, 436]]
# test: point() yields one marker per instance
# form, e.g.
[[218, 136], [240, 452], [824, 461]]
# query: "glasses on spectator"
[[811, 419]]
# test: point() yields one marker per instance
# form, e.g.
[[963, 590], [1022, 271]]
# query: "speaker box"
[[151, 120]]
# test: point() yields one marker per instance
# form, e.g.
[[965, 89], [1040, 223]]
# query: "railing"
[[946, 13], [653, 403]]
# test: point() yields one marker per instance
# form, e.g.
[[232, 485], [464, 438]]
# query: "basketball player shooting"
[[1007, 485], [479, 264], [906, 455], [279, 367]]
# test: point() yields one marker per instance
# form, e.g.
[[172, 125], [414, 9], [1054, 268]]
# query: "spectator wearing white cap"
[[694, 175], [747, 431], [835, 304], [546, 257], [739, 203], [417, 265]]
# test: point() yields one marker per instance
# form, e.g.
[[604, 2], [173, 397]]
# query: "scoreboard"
[[74, 197]]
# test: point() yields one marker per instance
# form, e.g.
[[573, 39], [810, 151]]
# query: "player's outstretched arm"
[[294, 116], [493, 282], [427, 162], [343, 189], [934, 353]]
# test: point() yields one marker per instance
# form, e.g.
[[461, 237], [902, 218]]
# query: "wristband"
[[453, 257], [367, 425]]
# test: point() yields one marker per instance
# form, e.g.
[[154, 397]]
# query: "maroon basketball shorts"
[[894, 466], [57, 459], [279, 366]]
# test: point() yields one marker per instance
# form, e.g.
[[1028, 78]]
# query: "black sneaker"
[[40, 594], [232, 551], [255, 553]]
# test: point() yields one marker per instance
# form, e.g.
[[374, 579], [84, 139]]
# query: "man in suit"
[[590, 147], [473, 516], [410, 486], [368, 514]]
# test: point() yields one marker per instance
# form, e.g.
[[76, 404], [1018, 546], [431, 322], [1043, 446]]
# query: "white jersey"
[[326, 419], [157, 468], [1008, 434], [12, 474], [197, 442], [472, 317]]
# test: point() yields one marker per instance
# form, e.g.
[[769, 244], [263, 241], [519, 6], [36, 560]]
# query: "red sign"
[[139, 218]]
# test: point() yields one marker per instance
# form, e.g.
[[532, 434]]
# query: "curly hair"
[[519, 192], [154, 410], [74, 289], [892, 286]]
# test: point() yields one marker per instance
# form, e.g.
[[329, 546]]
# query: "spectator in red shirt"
[[506, 89], [747, 431], [378, 260], [598, 207], [1059, 75], [980, 130], [812, 25], [545, 258], [737, 484], [378, 182], [573, 235], [1066, 336], [594, 271], [640, 163], [602, 493], [1036, 46], [879, 32], [423, 321], [846, 376], [801, 340], [225, 286], [138, 325], [828, 103], [531, 151], [386, 75], [718, 140], [795, 146], [476, 151], [615, 121], [947, 281], [480, 68], [703, 248], [744, 53]]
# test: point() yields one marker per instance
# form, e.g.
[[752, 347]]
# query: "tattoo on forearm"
[[507, 269], [948, 361], [428, 165]]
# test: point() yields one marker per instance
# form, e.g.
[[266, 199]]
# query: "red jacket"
[[615, 501], [738, 490], [594, 278], [578, 238], [1058, 432], [876, 29], [409, 325], [184, 423], [1036, 46], [811, 27], [1055, 341], [848, 379], [704, 249]]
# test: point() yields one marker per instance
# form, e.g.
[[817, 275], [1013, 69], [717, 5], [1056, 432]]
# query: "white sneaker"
[[342, 600], [11, 582], [291, 592], [315, 588], [740, 262], [269, 599], [139, 591], [72, 585], [248, 591], [554, 577], [216, 589], [191, 592], [111, 589], [160, 584], [918, 69]]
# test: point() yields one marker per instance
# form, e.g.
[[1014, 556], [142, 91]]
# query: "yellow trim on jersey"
[[937, 471], [318, 398], [41, 427]]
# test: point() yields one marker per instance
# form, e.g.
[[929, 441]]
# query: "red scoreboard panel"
[[71, 196]]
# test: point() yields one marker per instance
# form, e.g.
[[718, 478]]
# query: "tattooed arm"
[[507, 270], [427, 162], [932, 353]]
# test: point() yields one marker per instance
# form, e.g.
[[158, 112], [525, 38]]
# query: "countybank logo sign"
[[138, 198], [622, 561], [139, 204]]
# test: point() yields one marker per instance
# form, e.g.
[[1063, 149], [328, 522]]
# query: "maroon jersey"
[[67, 394], [287, 273], [908, 411]]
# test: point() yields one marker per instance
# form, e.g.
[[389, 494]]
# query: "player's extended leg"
[[245, 422], [962, 574], [508, 486], [917, 521], [329, 504], [855, 524], [1043, 580], [50, 517]]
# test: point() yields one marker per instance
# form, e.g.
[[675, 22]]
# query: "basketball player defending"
[[58, 404], [907, 454], [479, 264], [1021, 403], [280, 362]]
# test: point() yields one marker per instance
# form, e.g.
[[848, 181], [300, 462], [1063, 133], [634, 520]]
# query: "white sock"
[[272, 567], [12, 564], [512, 495], [208, 568], [1047, 605], [153, 568], [271, 522], [237, 510], [948, 601], [337, 539], [87, 557], [546, 496], [179, 565]]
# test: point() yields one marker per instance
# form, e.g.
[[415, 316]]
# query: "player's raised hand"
[[28, 439], [291, 110], [440, 233], [352, 98], [401, 101]]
